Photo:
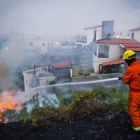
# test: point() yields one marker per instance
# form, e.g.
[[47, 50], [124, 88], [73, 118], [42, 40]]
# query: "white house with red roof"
[[93, 32], [41, 42], [74, 41], [109, 52], [135, 34], [99, 31], [122, 30]]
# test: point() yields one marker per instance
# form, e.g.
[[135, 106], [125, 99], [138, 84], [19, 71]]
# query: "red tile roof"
[[132, 45], [113, 62], [93, 27], [135, 29], [117, 41], [133, 49], [129, 44], [61, 64]]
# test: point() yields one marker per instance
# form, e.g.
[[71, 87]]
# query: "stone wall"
[[97, 77]]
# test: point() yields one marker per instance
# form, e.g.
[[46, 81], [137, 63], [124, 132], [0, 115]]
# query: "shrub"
[[52, 83], [84, 103], [86, 73]]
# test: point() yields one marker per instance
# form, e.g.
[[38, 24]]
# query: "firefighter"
[[132, 77]]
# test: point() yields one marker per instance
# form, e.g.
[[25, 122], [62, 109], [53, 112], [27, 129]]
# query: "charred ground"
[[100, 114], [102, 126]]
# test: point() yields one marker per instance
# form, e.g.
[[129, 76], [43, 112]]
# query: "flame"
[[7, 104]]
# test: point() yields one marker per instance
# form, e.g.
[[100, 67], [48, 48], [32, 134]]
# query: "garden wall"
[[97, 77]]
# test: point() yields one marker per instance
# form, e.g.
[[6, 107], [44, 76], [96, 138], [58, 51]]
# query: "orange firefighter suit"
[[132, 77]]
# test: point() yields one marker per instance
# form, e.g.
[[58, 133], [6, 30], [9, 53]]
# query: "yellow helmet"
[[129, 54]]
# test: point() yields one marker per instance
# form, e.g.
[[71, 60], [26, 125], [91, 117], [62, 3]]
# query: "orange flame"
[[6, 104]]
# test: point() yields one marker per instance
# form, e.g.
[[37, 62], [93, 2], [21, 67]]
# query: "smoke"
[[12, 54], [5, 74], [61, 17], [14, 99]]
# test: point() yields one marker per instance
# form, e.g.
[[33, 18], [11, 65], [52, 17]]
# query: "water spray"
[[76, 83]]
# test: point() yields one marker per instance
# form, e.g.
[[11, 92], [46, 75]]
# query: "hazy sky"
[[64, 17]]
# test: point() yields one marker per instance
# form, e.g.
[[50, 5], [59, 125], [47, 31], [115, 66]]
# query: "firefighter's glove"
[[120, 78]]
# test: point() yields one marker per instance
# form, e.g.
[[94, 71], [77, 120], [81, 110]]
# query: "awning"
[[113, 62]]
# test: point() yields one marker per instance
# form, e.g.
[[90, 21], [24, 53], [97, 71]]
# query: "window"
[[120, 33], [132, 36], [103, 51], [95, 49], [31, 43], [43, 44]]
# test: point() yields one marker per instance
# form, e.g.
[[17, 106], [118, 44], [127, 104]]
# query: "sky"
[[63, 17]]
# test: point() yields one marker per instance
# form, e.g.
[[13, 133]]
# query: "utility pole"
[[34, 71]]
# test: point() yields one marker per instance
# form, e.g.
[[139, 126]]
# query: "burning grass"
[[73, 106]]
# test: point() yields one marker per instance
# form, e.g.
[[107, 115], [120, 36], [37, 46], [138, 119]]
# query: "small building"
[[62, 71], [42, 43], [122, 30], [99, 31], [37, 77], [114, 66], [111, 51], [77, 41], [94, 32], [135, 34]]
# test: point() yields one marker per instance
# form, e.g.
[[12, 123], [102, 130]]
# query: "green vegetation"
[[52, 83], [73, 105], [75, 70], [84, 103], [79, 70], [86, 73]]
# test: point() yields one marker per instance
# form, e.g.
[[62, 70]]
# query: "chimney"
[[107, 28]]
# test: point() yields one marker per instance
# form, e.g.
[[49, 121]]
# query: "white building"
[[100, 31], [74, 42], [37, 77], [41, 42], [135, 33], [108, 50], [122, 31], [94, 32]]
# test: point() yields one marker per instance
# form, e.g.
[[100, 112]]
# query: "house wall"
[[92, 85], [124, 29], [96, 77], [136, 35], [68, 47], [27, 77], [62, 72], [45, 80], [38, 44], [90, 34], [115, 51], [83, 44], [28, 74]]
